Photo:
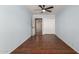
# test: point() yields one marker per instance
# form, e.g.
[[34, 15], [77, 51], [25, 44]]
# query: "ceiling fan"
[[44, 8]]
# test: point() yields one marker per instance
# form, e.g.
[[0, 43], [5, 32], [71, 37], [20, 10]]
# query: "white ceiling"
[[37, 10]]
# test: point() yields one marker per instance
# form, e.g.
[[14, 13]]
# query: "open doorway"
[[38, 26]]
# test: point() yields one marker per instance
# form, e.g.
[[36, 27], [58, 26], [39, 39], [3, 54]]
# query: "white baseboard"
[[67, 43], [26, 38]]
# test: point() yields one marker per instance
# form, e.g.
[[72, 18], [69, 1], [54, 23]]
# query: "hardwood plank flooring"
[[45, 44]]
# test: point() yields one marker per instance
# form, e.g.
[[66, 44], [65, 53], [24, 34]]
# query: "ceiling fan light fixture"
[[43, 10]]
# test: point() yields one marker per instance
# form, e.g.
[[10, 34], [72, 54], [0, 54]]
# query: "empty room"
[[39, 29]]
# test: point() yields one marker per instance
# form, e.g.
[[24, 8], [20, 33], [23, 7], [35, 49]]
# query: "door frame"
[[35, 24]]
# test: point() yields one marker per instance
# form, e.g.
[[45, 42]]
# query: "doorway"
[[38, 26]]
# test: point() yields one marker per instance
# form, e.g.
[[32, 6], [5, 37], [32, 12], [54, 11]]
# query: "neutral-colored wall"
[[48, 23], [67, 26], [15, 27]]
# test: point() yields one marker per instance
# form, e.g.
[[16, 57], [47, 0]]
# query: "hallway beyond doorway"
[[45, 44]]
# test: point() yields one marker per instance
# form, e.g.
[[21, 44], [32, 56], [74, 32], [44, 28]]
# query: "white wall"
[[48, 23], [67, 26], [15, 27]]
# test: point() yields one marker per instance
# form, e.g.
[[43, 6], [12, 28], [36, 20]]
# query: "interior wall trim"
[[67, 43], [26, 38]]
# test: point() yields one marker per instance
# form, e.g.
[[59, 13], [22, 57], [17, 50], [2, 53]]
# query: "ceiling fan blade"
[[40, 6], [43, 6], [48, 10], [49, 7]]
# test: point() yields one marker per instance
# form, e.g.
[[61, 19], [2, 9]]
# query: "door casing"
[[38, 26]]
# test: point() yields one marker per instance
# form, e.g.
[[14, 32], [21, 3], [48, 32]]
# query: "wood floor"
[[46, 44]]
